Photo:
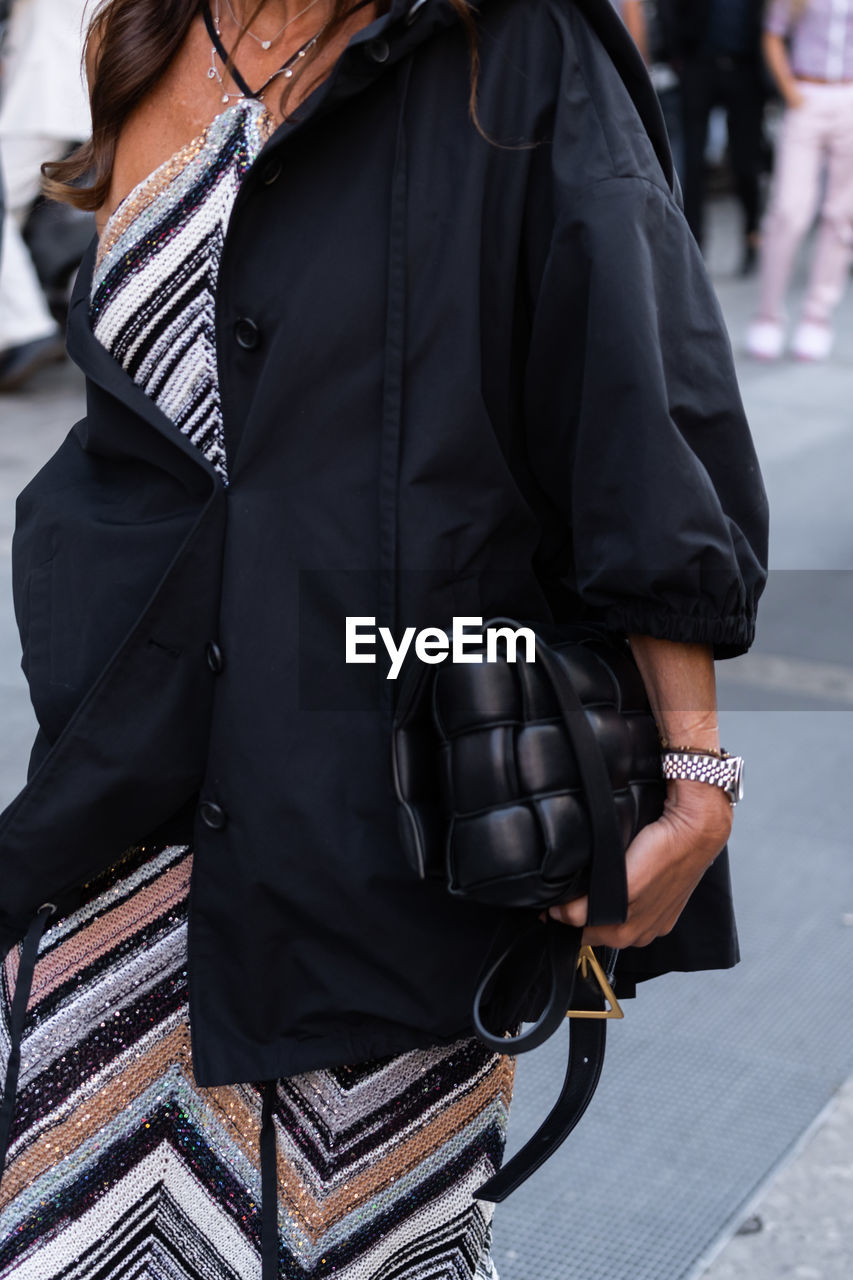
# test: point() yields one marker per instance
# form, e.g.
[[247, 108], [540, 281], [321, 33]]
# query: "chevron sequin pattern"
[[153, 302], [121, 1166]]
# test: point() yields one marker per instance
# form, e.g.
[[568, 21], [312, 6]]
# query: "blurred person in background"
[[44, 109], [658, 16], [808, 45], [635, 20], [647, 22], [717, 53]]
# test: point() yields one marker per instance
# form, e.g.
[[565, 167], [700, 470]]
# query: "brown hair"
[[130, 43]]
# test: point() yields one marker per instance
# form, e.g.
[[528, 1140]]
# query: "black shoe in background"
[[18, 364]]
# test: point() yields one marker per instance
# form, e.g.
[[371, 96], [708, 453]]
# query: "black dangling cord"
[[20, 1000], [269, 1186]]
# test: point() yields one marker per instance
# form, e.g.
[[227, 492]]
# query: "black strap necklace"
[[213, 30]]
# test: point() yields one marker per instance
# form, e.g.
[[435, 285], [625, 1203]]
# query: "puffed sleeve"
[[635, 428]]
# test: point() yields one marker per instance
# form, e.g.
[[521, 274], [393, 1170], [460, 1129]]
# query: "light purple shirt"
[[821, 40]]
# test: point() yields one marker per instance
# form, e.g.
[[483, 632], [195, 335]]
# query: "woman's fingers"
[[664, 863]]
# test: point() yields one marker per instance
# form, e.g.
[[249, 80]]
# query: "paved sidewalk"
[[801, 1225]]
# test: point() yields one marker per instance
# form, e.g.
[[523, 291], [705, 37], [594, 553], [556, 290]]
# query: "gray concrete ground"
[[800, 1223], [713, 1080]]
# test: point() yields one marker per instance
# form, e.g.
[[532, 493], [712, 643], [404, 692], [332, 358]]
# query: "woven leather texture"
[[492, 801]]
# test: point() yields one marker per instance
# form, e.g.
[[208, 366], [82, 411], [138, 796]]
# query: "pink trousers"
[[816, 136]]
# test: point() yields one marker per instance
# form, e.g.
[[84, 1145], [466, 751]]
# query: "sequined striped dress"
[[119, 1163]]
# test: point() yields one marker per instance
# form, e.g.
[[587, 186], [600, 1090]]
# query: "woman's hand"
[[668, 858], [776, 57], [664, 863]]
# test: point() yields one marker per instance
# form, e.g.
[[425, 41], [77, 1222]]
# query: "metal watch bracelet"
[[724, 770]]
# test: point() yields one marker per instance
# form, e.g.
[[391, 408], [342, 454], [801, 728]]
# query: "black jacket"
[[459, 376]]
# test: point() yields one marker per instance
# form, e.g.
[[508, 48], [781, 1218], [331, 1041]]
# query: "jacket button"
[[212, 815], [379, 50], [247, 333], [215, 658], [271, 173]]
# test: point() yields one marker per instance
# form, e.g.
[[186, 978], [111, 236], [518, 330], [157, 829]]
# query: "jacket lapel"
[[109, 433]]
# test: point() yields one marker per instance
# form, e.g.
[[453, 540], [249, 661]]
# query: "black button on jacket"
[[493, 379]]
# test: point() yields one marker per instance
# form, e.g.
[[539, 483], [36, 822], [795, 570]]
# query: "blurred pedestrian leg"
[[809, 50], [816, 134], [735, 84], [44, 110], [24, 313], [717, 48]]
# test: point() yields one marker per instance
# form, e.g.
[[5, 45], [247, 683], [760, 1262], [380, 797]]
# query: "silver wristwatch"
[[724, 771]]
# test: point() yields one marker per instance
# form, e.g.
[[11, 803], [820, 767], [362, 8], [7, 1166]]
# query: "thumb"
[[574, 912]]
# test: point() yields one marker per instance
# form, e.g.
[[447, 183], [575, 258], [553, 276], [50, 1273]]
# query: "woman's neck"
[[273, 16]]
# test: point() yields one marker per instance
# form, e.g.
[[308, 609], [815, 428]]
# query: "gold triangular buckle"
[[589, 960]]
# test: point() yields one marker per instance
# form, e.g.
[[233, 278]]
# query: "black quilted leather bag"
[[521, 784]]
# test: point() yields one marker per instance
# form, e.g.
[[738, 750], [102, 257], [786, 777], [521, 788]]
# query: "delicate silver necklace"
[[267, 44], [214, 27]]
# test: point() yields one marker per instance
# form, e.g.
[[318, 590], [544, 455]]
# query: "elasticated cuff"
[[728, 636]]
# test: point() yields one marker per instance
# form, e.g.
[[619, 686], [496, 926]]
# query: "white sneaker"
[[765, 340], [812, 341]]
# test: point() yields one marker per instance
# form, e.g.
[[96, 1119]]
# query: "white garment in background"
[[24, 313], [44, 108], [44, 91]]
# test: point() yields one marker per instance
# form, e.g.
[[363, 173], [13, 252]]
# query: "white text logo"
[[432, 645]]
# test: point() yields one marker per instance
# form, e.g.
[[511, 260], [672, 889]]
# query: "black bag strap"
[[608, 889], [562, 949], [586, 1057], [608, 904]]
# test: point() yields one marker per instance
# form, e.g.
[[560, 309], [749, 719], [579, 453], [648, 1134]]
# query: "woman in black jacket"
[[393, 315]]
